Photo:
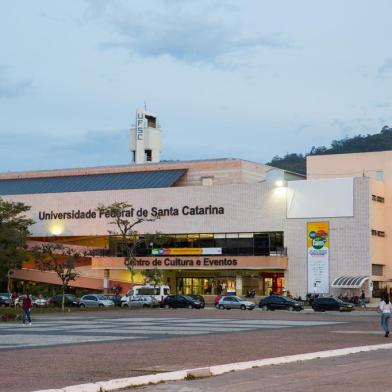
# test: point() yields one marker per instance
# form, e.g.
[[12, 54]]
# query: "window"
[[232, 244], [379, 199], [148, 155], [207, 181], [374, 232], [380, 175], [381, 233], [377, 269], [151, 121]]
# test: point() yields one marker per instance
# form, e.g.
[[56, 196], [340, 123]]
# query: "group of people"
[[250, 293]]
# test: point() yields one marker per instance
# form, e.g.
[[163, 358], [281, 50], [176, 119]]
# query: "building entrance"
[[205, 285], [273, 283]]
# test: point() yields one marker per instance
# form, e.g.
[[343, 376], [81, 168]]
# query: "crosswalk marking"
[[61, 331]]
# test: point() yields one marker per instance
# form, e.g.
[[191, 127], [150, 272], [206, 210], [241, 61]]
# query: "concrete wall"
[[246, 207], [349, 243], [372, 165]]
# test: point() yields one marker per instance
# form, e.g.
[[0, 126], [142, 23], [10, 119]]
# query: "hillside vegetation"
[[361, 143]]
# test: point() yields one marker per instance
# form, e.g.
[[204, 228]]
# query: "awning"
[[349, 282]]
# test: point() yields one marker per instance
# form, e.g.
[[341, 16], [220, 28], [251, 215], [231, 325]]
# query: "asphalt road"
[[77, 348]]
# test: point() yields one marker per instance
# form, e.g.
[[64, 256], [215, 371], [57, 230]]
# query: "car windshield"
[[69, 296], [188, 297], [101, 297]]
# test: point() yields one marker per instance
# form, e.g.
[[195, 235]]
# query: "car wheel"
[[290, 308], [190, 307], [167, 306], [243, 307], [82, 305], [221, 307], [265, 308], [145, 306], [125, 306], [100, 306]]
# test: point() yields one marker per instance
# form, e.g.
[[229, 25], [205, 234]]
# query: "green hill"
[[361, 143]]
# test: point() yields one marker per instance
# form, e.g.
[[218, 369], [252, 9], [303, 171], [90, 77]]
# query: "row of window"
[[379, 199], [378, 233], [232, 244]]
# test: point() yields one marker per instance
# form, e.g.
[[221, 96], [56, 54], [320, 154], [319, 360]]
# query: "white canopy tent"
[[349, 282]]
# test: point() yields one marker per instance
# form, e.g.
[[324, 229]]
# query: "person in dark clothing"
[[26, 306], [362, 300]]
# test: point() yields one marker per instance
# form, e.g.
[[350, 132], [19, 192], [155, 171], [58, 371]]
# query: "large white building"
[[224, 225]]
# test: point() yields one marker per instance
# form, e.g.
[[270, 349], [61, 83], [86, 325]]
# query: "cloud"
[[185, 31], [385, 69], [10, 88]]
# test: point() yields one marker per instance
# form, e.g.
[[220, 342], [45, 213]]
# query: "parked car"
[[36, 301], [233, 302], [115, 298], [70, 300], [141, 301], [5, 300], [218, 298], [199, 298], [277, 302], [95, 300], [322, 304], [181, 301]]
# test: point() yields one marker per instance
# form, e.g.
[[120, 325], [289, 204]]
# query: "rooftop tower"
[[145, 144]]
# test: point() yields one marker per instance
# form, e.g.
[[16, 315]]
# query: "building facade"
[[224, 225]]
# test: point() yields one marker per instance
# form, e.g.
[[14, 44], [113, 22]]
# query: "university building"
[[224, 225]]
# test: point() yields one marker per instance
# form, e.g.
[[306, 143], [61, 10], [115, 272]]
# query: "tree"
[[153, 276], [14, 231], [60, 259], [125, 223]]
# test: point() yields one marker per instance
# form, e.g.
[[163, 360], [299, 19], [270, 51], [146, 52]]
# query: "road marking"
[[360, 332], [51, 331], [116, 384]]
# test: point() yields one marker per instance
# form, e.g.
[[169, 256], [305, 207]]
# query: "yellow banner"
[[318, 235], [177, 251]]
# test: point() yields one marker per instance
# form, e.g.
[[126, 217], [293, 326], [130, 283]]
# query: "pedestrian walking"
[[26, 306], [385, 307], [362, 300]]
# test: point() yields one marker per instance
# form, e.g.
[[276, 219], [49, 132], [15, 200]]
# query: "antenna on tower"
[[145, 106]]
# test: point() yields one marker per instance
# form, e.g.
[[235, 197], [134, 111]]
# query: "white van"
[[158, 292]]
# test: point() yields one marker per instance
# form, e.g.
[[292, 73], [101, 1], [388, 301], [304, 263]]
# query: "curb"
[[113, 385]]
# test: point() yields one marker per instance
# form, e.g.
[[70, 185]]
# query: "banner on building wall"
[[185, 251], [318, 257]]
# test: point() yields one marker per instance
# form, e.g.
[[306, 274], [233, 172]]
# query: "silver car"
[[233, 302], [141, 301], [95, 300]]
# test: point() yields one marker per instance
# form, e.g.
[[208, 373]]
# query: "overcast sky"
[[244, 79]]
